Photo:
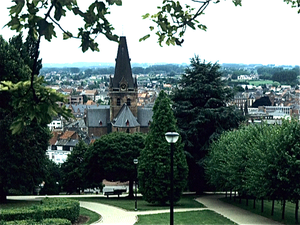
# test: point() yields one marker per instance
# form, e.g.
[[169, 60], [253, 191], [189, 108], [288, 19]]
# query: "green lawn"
[[289, 209], [260, 82], [194, 217], [187, 201], [93, 217]]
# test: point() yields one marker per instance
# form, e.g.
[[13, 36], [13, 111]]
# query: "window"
[[118, 102], [127, 123], [128, 101], [100, 122]]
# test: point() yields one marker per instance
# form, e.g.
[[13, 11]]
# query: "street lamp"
[[135, 161], [172, 138]]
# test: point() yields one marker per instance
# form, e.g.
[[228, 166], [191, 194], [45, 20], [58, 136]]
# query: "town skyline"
[[259, 32]]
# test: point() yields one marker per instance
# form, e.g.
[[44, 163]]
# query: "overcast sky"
[[261, 31]]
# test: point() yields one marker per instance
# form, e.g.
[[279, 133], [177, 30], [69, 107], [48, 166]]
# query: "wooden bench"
[[114, 192]]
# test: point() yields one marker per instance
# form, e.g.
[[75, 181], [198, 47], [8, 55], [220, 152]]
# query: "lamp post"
[[172, 138], [135, 161]]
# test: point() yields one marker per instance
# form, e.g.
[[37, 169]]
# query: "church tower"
[[123, 90]]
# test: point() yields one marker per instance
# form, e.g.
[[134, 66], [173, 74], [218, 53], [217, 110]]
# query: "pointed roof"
[[125, 118], [123, 66]]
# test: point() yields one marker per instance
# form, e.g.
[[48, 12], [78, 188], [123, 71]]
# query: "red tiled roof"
[[67, 134]]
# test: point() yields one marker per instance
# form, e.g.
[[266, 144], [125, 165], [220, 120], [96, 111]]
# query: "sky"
[[259, 32]]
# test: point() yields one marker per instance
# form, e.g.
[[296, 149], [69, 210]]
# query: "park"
[[196, 158]]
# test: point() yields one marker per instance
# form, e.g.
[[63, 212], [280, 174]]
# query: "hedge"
[[49, 208], [56, 221]]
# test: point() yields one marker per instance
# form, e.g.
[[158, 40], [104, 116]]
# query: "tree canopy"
[[260, 161], [201, 113], [111, 158], [23, 154]]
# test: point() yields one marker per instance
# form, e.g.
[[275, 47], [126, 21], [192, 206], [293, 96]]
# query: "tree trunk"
[[131, 189], [273, 204], [3, 195], [226, 194], [254, 203], [247, 200], [296, 211], [230, 194], [283, 210], [262, 205]]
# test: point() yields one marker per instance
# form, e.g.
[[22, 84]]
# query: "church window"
[[128, 101], [118, 102], [100, 122], [127, 123]]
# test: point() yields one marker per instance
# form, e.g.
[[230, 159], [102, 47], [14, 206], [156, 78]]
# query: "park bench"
[[113, 191]]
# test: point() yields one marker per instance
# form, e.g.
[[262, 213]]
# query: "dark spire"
[[123, 71]]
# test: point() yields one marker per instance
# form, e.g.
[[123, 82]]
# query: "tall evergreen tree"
[[201, 113], [154, 161]]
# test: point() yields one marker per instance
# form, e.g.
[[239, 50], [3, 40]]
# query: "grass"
[[187, 201], [93, 217], [289, 209], [193, 217], [260, 82]]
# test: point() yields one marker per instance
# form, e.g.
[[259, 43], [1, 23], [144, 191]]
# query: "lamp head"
[[172, 137]]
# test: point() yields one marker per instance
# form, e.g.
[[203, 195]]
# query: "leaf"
[[16, 9], [67, 35], [59, 11], [151, 28], [46, 29], [145, 16], [144, 38], [117, 2]]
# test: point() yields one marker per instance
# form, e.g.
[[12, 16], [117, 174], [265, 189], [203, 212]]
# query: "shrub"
[[49, 208], [56, 221]]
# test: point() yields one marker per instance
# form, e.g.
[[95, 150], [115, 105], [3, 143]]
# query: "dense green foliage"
[[49, 208], [55, 221], [111, 158], [154, 161], [73, 177], [258, 160], [52, 178], [22, 154], [202, 115]]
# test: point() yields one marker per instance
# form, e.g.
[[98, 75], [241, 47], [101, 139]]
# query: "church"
[[123, 113]]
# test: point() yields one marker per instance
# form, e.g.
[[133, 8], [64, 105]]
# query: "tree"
[[154, 161], [22, 154], [261, 161], [263, 101], [201, 113], [111, 158], [52, 179], [73, 177]]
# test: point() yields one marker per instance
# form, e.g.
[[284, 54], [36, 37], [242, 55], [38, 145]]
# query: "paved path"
[[110, 214], [235, 214]]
